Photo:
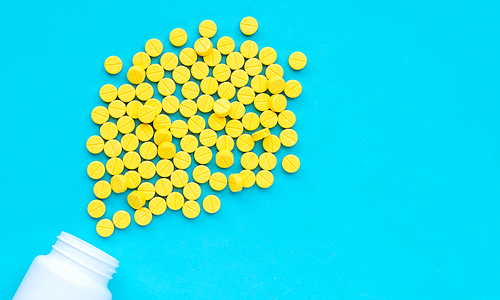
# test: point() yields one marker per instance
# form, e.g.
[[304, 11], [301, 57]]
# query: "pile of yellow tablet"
[[223, 91]]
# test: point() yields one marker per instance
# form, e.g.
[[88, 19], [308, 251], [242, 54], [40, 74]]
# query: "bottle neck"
[[86, 256]]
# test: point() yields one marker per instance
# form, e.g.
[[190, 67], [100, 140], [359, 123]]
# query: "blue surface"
[[398, 122]]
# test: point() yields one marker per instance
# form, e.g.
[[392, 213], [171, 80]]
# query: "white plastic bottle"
[[74, 270]]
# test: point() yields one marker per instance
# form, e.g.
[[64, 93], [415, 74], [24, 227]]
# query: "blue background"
[[398, 122]]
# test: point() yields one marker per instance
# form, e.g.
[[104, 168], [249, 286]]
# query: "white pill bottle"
[[73, 270]]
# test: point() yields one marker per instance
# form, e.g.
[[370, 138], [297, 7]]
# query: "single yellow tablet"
[[148, 189], [237, 110], [261, 134], [267, 56], [225, 45], [189, 143], [136, 75], [221, 107], [250, 121], [221, 72], [114, 166], [113, 65], [156, 104], [162, 136], [188, 108], [249, 161], [297, 60], [166, 86], [293, 88], [218, 181], [146, 114], [154, 73], [234, 128], [131, 160], [96, 209], [248, 178], [209, 86], [163, 187], [235, 60], [182, 160], [196, 124], [199, 70], [179, 128], [203, 46], [126, 92], [95, 144], [125, 124], [290, 163], [188, 56], [259, 83], [181, 74], [235, 182], [224, 159], [178, 37], [268, 119], [162, 121], [102, 189], [190, 90], [211, 204], [164, 168], [117, 109], [166, 150], [249, 25], [143, 216], [245, 143], [191, 209], [96, 169], [288, 137], [175, 201], [108, 131], [207, 28], [144, 132], [267, 161], [108, 93], [274, 70], [213, 58], [157, 206], [246, 95], [271, 143], [142, 60], [147, 169], [208, 137], [253, 67], [239, 78], [201, 174], [136, 199], [100, 115], [226, 90], [286, 119], [148, 150], [154, 47], [202, 155], [112, 148], [105, 228], [249, 49], [179, 178], [225, 142], [169, 61], [216, 123], [133, 179], [276, 85], [129, 142], [191, 191], [170, 104], [121, 219], [133, 109], [264, 179]]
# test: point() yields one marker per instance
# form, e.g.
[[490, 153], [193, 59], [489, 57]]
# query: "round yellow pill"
[[249, 161], [96, 169], [192, 191], [276, 85], [133, 179], [203, 155], [216, 123], [155, 72], [166, 150], [218, 181], [264, 179], [237, 110], [112, 148], [286, 119], [136, 199], [131, 160], [133, 109], [234, 128], [224, 159], [188, 56], [248, 178], [179, 128], [267, 161], [211, 204], [129, 142], [144, 132], [169, 61], [226, 90], [267, 56], [108, 92], [166, 86], [259, 83], [105, 228], [189, 143], [148, 189], [142, 60], [143, 216], [148, 150], [170, 104], [225, 142], [207, 28], [235, 60], [179, 178], [146, 114], [221, 72], [239, 78], [201, 174], [221, 107], [96, 209], [181, 74], [261, 134], [199, 70], [188, 108], [250, 121], [288, 137], [162, 136], [157, 206], [208, 137], [297, 60], [213, 58], [156, 104], [136, 75], [249, 49], [249, 25], [164, 168], [108, 131], [203, 46], [290, 163], [196, 124], [178, 37], [191, 209], [147, 169], [163, 187], [235, 182], [121, 219], [246, 95], [182, 160], [102, 189], [268, 119], [209, 86], [162, 122], [113, 65], [114, 166], [125, 124], [117, 109], [225, 45], [245, 143], [175, 201], [253, 67], [190, 90], [261, 102], [126, 92], [271, 143], [154, 47], [100, 115], [274, 70], [95, 144], [293, 88]]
